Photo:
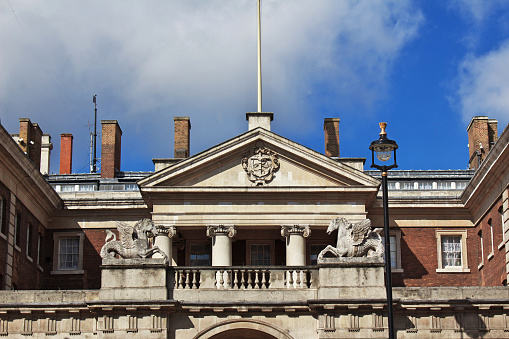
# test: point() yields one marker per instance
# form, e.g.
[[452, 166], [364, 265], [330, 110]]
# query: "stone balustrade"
[[245, 278]]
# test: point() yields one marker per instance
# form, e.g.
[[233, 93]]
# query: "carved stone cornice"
[[169, 231], [213, 230], [287, 230]]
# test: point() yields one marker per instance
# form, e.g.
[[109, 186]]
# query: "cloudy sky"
[[425, 67]]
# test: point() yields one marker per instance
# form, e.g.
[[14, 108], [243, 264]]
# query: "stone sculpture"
[[354, 240], [133, 241], [260, 164]]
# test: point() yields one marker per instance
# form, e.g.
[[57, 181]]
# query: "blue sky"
[[425, 67]]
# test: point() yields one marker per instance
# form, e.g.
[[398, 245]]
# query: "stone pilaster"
[[295, 243], [221, 243], [163, 241]]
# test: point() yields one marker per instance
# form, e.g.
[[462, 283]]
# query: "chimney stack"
[[482, 136], [331, 129], [110, 149], [66, 153], [182, 145], [259, 119], [35, 145], [29, 140], [46, 147]]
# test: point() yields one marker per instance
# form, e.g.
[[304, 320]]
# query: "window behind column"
[[260, 252], [199, 255]]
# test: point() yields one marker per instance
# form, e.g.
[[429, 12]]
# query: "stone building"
[[242, 224]]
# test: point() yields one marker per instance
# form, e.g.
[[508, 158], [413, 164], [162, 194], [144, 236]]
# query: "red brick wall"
[[25, 273], [5, 194], [110, 148], [66, 153], [331, 129], [91, 278], [493, 271], [419, 259], [182, 137]]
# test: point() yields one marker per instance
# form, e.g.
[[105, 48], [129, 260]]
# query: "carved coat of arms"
[[260, 164]]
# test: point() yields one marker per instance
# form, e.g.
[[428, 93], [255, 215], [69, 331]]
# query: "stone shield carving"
[[260, 164]]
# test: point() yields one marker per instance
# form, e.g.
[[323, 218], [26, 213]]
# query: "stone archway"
[[243, 329]]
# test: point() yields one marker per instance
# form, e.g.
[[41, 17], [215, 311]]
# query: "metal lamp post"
[[384, 147]]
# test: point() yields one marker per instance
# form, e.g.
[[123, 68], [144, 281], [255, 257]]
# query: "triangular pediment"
[[259, 158]]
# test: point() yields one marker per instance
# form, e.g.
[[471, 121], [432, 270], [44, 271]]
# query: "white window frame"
[[39, 244], [56, 247], [501, 213], [17, 230], [481, 264], [464, 258], [30, 231], [2, 200], [492, 253], [271, 243], [397, 241]]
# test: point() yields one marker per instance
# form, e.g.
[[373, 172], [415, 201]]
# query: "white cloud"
[[483, 85], [151, 60]]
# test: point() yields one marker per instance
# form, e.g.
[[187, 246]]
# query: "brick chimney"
[[25, 132], [66, 153], [110, 148], [46, 147], [29, 140], [331, 129], [482, 136], [35, 145], [182, 145]]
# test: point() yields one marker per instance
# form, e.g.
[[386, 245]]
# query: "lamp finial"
[[383, 125]]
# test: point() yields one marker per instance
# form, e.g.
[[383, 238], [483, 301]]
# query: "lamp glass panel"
[[383, 153]]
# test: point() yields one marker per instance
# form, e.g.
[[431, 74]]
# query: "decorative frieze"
[[50, 323], [435, 323], [27, 325], [157, 323], [132, 323], [4, 324], [378, 322]]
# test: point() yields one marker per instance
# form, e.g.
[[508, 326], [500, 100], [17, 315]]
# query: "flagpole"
[[259, 61]]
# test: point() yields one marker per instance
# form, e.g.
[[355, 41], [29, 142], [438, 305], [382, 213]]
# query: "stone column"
[[295, 243], [221, 244], [163, 241]]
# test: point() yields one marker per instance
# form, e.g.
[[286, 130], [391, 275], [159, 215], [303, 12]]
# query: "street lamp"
[[384, 147]]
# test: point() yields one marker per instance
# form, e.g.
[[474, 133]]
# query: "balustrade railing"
[[245, 278]]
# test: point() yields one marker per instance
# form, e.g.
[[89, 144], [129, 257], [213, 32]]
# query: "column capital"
[[229, 230], [287, 230], [169, 231]]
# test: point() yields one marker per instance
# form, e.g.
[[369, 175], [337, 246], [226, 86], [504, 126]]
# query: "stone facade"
[[243, 245]]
